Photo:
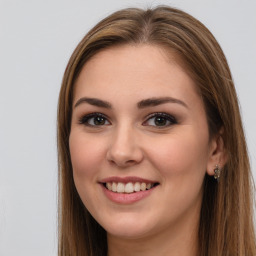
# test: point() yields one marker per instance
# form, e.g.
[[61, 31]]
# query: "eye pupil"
[[98, 120], [160, 121]]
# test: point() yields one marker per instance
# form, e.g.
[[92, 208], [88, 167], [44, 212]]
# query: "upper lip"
[[127, 179]]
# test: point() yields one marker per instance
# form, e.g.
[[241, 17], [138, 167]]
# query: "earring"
[[217, 172]]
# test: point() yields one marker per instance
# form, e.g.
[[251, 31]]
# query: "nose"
[[124, 149]]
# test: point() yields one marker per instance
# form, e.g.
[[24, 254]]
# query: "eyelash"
[[166, 118], [84, 120]]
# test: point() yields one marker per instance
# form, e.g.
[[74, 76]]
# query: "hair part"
[[226, 222]]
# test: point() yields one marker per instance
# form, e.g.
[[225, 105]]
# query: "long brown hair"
[[226, 223]]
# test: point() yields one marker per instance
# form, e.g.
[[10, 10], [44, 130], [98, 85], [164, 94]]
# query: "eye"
[[160, 120], [94, 119]]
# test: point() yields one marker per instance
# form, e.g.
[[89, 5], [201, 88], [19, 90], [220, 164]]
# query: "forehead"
[[134, 70]]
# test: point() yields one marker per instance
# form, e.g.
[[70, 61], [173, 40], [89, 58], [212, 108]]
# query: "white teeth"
[[114, 187], [109, 185], [128, 187], [120, 187], [137, 186], [143, 186]]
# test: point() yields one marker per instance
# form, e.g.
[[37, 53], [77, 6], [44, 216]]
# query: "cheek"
[[85, 153], [183, 153]]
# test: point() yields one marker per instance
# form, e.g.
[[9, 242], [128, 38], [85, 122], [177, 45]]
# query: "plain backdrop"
[[37, 38]]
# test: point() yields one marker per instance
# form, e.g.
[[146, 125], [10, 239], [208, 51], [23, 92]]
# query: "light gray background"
[[36, 41]]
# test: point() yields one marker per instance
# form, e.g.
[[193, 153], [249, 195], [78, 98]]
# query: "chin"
[[129, 229], [128, 234]]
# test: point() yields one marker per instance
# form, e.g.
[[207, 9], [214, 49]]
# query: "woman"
[[152, 154]]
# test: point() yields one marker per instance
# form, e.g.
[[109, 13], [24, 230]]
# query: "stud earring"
[[217, 172]]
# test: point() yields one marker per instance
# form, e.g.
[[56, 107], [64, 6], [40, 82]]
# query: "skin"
[[130, 143]]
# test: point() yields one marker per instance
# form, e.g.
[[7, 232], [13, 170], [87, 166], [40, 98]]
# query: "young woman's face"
[[139, 142]]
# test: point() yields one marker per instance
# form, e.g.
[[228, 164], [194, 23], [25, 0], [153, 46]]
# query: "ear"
[[217, 153]]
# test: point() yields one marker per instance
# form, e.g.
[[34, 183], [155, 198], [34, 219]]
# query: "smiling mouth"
[[130, 187]]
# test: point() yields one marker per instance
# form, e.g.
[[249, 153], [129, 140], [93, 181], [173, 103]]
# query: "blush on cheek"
[[85, 157], [78, 159], [179, 156], [82, 164]]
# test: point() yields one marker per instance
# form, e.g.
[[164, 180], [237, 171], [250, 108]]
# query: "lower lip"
[[125, 198]]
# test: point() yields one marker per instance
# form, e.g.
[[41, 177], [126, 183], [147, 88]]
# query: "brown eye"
[[95, 119], [160, 120], [98, 120]]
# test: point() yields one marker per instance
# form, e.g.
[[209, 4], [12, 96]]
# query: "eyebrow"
[[94, 102], [141, 104], [158, 101]]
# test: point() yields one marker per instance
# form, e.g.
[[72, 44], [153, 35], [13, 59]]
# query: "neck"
[[175, 241]]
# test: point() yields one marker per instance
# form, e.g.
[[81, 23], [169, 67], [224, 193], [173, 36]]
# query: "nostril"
[[130, 161], [122, 162]]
